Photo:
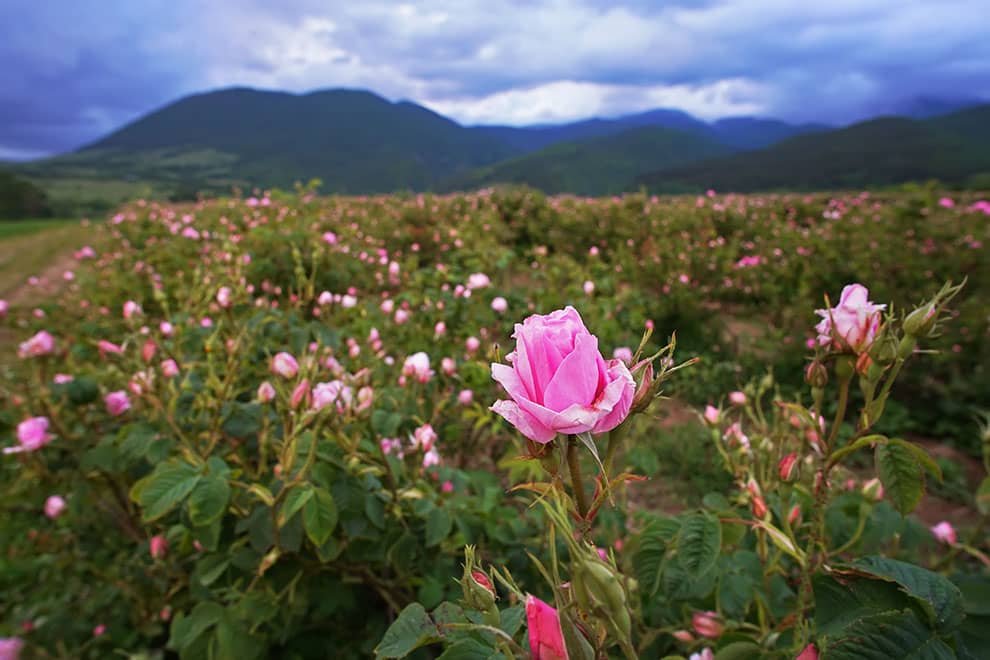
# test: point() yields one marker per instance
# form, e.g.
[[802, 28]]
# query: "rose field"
[[501, 425]]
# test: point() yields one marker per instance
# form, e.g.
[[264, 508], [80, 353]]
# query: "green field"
[[28, 247]]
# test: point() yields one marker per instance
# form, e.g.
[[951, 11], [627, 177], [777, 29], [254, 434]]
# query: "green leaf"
[[841, 453], [698, 543], [187, 628], [438, 525], [653, 542], [211, 567], [294, 501], [983, 497], [901, 476], [468, 649], [840, 603], [163, 490], [896, 635], [941, 600], [412, 629], [319, 516], [235, 641], [921, 456], [208, 500], [242, 419], [740, 651], [82, 390], [511, 618]]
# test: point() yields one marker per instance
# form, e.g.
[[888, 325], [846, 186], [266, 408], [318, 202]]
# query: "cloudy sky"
[[72, 70]]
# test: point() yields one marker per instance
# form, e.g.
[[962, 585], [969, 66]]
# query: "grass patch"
[[28, 247]]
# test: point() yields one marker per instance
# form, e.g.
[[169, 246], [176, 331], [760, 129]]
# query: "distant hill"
[[878, 152], [756, 132], [597, 166]]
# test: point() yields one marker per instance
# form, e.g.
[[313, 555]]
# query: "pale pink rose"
[[166, 328], [734, 436], [387, 306], [334, 392], [945, 533], [32, 434], [465, 397], [704, 654], [853, 324], [284, 365], [158, 546], [117, 403], [169, 368], [440, 329], [401, 316], [62, 379], [40, 344], [131, 309], [589, 287], [54, 506], [326, 298], [946, 202], [348, 301], [472, 344], [623, 353], [546, 638], [500, 305], [707, 624], [224, 296], [559, 382], [266, 392], [365, 397], [431, 458], [330, 238], [478, 281], [10, 648], [448, 366], [712, 415], [417, 366], [424, 436], [737, 398]]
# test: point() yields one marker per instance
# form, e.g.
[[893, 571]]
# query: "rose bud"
[[788, 467], [945, 533], [708, 624], [816, 374], [873, 490]]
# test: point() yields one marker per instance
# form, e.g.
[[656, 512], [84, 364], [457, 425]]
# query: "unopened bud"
[[683, 636], [816, 374], [788, 466], [605, 588], [645, 392], [921, 321], [708, 624], [759, 508], [863, 363], [794, 515], [873, 490]]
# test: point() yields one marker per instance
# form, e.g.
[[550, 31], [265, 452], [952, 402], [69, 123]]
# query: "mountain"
[[597, 166], [890, 150], [755, 132], [355, 141], [925, 107]]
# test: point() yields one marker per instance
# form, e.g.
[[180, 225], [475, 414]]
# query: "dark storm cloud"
[[70, 73]]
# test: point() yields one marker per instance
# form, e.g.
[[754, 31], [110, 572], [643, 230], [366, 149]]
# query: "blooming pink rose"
[[704, 654], [945, 532], [284, 365], [131, 309], [224, 296], [158, 546], [417, 366], [809, 653], [432, 457], [32, 434], [737, 398], [448, 366], [424, 437], [500, 304], [10, 648], [325, 394], [853, 324], [169, 368], [40, 344], [465, 397], [712, 415], [117, 403], [559, 382], [54, 506], [478, 281], [546, 638], [365, 397]]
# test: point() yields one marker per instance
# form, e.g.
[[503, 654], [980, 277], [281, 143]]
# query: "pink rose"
[[707, 624], [737, 398], [424, 436], [170, 369], [4, 306], [54, 506], [945, 532], [284, 365], [10, 648], [712, 415], [224, 296], [853, 324], [623, 353], [117, 403], [158, 546], [417, 366], [40, 344], [266, 392], [325, 394], [131, 309], [32, 434], [559, 382], [465, 397], [500, 304], [546, 638], [478, 281], [809, 653]]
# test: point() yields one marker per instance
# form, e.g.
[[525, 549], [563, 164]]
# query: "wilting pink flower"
[[432, 457], [158, 546], [224, 296], [500, 304], [707, 624], [737, 398], [417, 366], [465, 397], [117, 403], [424, 437], [40, 344], [10, 648], [131, 309], [809, 653], [712, 415], [853, 324], [169, 368], [559, 382], [945, 533], [390, 445], [32, 434], [546, 638], [284, 365], [266, 392], [54, 506]]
